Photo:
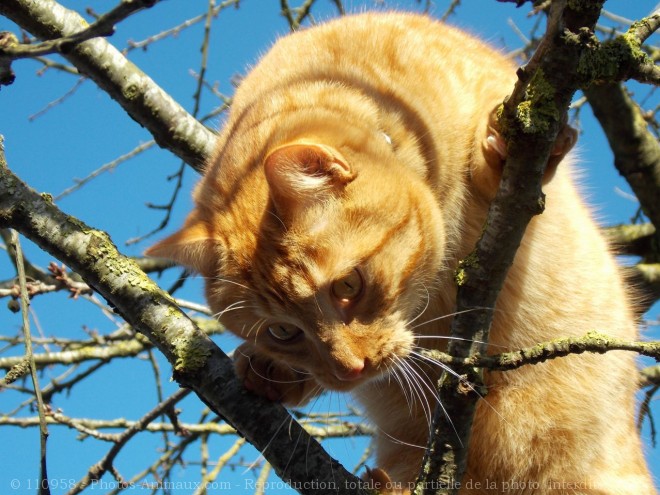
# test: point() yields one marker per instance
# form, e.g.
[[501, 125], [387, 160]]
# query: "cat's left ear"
[[302, 174], [494, 152], [192, 246]]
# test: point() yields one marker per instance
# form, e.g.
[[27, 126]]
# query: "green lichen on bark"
[[470, 261], [612, 59], [539, 109], [192, 352]]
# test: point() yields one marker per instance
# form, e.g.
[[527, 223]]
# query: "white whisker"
[[227, 281], [405, 389], [258, 324], [451, 315], [233, 306], [428, 300], [434, 394], [401, 442], [419, 385], [421, 357]]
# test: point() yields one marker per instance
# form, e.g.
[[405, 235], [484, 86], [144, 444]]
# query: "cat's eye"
[[349, 287], [284, 331]]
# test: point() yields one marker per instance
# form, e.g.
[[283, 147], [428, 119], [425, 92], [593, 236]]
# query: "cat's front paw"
[[273, 380]]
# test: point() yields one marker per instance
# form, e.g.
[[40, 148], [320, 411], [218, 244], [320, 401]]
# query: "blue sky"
[[72, 139]]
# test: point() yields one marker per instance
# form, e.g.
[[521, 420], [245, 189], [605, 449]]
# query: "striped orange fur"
[[353, 173]]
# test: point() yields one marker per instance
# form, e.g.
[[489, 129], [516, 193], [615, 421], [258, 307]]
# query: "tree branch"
[[107, 462], [104, 26], [198, 363], [172, 127], [636, 150], [92, 427], [634, 240], [620, 58], [591, 342], [531, 119], [44, 485], [640, 240], [645, 278]]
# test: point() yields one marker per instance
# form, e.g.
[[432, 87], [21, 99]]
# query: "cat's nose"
[[351, 374]]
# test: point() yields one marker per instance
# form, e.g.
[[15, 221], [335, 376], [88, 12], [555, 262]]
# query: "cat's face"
[[339, 264]]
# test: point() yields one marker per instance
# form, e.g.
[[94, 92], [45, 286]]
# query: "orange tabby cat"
[[354, 171]]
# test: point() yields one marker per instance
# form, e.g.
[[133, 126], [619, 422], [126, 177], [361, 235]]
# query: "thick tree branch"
[[531, 120], [636, 150], [198, 363], [172, 127]]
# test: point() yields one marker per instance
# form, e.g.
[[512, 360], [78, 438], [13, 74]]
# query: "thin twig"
[[59, 100], [105, 168], [260, 485], [44, 485], [451, 10], [591, 342], [221, 463], [106, 463], [104, 26]]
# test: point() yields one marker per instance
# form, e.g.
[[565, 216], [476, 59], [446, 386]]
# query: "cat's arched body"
[[351, 176]]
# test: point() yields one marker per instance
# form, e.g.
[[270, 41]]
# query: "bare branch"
[[105, 168], [591, 342], [107, 462], [172, 127], [59, 279], [636, 150], [176, 30], [104, 26], [340, 428], [104, 349], [644, 28], [44, 485]]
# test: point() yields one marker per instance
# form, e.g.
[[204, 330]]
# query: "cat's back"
[[401, 54]]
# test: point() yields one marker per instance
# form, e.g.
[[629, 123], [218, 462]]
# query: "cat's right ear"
[[192, 246], [302, 174]]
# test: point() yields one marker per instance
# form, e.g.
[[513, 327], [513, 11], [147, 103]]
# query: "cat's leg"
[[276, 381]]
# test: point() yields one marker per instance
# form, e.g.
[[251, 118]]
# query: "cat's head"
[[318, 258]]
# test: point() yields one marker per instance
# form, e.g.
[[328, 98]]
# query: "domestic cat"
[[354, 171]]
